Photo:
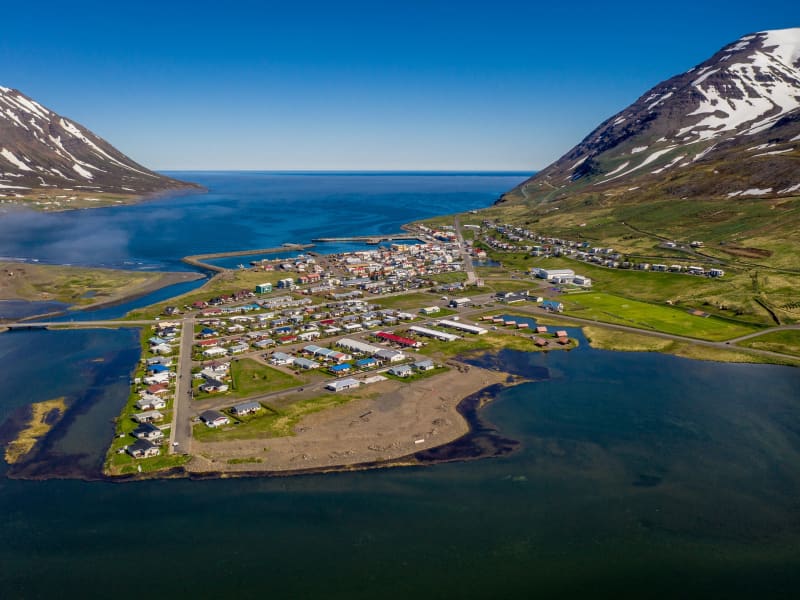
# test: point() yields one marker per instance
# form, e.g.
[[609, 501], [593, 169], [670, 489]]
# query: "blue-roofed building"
[[157, 368], [552, 306], [366, 363], [340, 368]]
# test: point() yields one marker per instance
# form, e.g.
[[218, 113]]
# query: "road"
[[180, 437], [469, 268], [726, 344]]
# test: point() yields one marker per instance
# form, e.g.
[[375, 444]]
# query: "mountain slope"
[[727, 128], [41, 150]]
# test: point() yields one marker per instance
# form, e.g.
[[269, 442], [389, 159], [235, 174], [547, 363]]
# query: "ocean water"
[[638, 475]]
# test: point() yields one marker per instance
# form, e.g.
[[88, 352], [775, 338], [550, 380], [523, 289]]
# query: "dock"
[[370, 239], [198, 260]]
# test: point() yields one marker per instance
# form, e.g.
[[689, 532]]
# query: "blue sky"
[[357, 85]]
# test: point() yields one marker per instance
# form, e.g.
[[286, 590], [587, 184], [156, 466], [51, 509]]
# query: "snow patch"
[[579, 163], [14, 187], [774, 152], [639, 149], [791, 189], [81, 171], [785, 44], [619, 168], [669, 165], [750, 192], [704, 74], [10, 157], [659, 101]]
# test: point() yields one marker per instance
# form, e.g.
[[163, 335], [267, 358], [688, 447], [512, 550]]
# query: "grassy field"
[[668, 319], [412, 301], [124, 464], [273, 421], [489, 342], [73, 285], [785, 342], [734, 296], [609, 339], [250, 378]]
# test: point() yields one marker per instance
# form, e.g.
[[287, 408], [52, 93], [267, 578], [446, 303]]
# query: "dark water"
[[638, 475]]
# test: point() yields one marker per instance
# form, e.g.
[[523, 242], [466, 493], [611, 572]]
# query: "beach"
[[395, 420]]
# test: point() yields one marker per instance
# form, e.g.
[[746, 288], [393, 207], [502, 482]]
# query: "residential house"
[[149, 432], [214, 418], [142, 449], [401, 371], [246, 408], [148, 416]]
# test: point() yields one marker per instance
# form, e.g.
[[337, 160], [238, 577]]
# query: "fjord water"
[[638, 475]]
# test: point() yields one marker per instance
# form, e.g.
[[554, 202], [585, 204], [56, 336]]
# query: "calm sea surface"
[[640, 475]]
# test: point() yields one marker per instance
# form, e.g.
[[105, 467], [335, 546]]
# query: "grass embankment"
[[44, 416], [274, 421], [609, 339], [785, 342], [643, 315], [77, 285]]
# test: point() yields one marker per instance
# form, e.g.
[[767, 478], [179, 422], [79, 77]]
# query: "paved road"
[[181, 432], [468, 266]]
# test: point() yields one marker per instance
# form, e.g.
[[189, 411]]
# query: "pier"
[[198, 260], [370, 239]]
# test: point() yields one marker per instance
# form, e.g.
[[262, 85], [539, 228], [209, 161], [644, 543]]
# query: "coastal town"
[[329, 361], [317, 325]]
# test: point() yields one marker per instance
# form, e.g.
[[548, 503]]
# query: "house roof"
[[211, 415], [140, 446]]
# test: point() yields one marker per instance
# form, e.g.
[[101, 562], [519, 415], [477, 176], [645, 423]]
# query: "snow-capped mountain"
[[40, 149], [729, 127]]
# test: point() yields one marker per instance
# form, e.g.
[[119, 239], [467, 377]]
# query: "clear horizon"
[[412, 86]]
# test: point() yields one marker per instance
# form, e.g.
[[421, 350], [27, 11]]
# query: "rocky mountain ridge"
[[40, 150], [727, 128]]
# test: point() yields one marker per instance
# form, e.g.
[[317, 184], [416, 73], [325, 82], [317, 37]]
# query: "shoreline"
[[395, 421], [477, 439], [167, 279]]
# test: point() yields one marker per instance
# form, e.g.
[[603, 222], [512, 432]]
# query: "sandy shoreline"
[[397, 420]]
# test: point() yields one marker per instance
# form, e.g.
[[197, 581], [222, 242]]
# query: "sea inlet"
[[637, 474]]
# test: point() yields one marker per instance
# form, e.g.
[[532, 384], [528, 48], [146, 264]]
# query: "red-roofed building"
[[396, 339]]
